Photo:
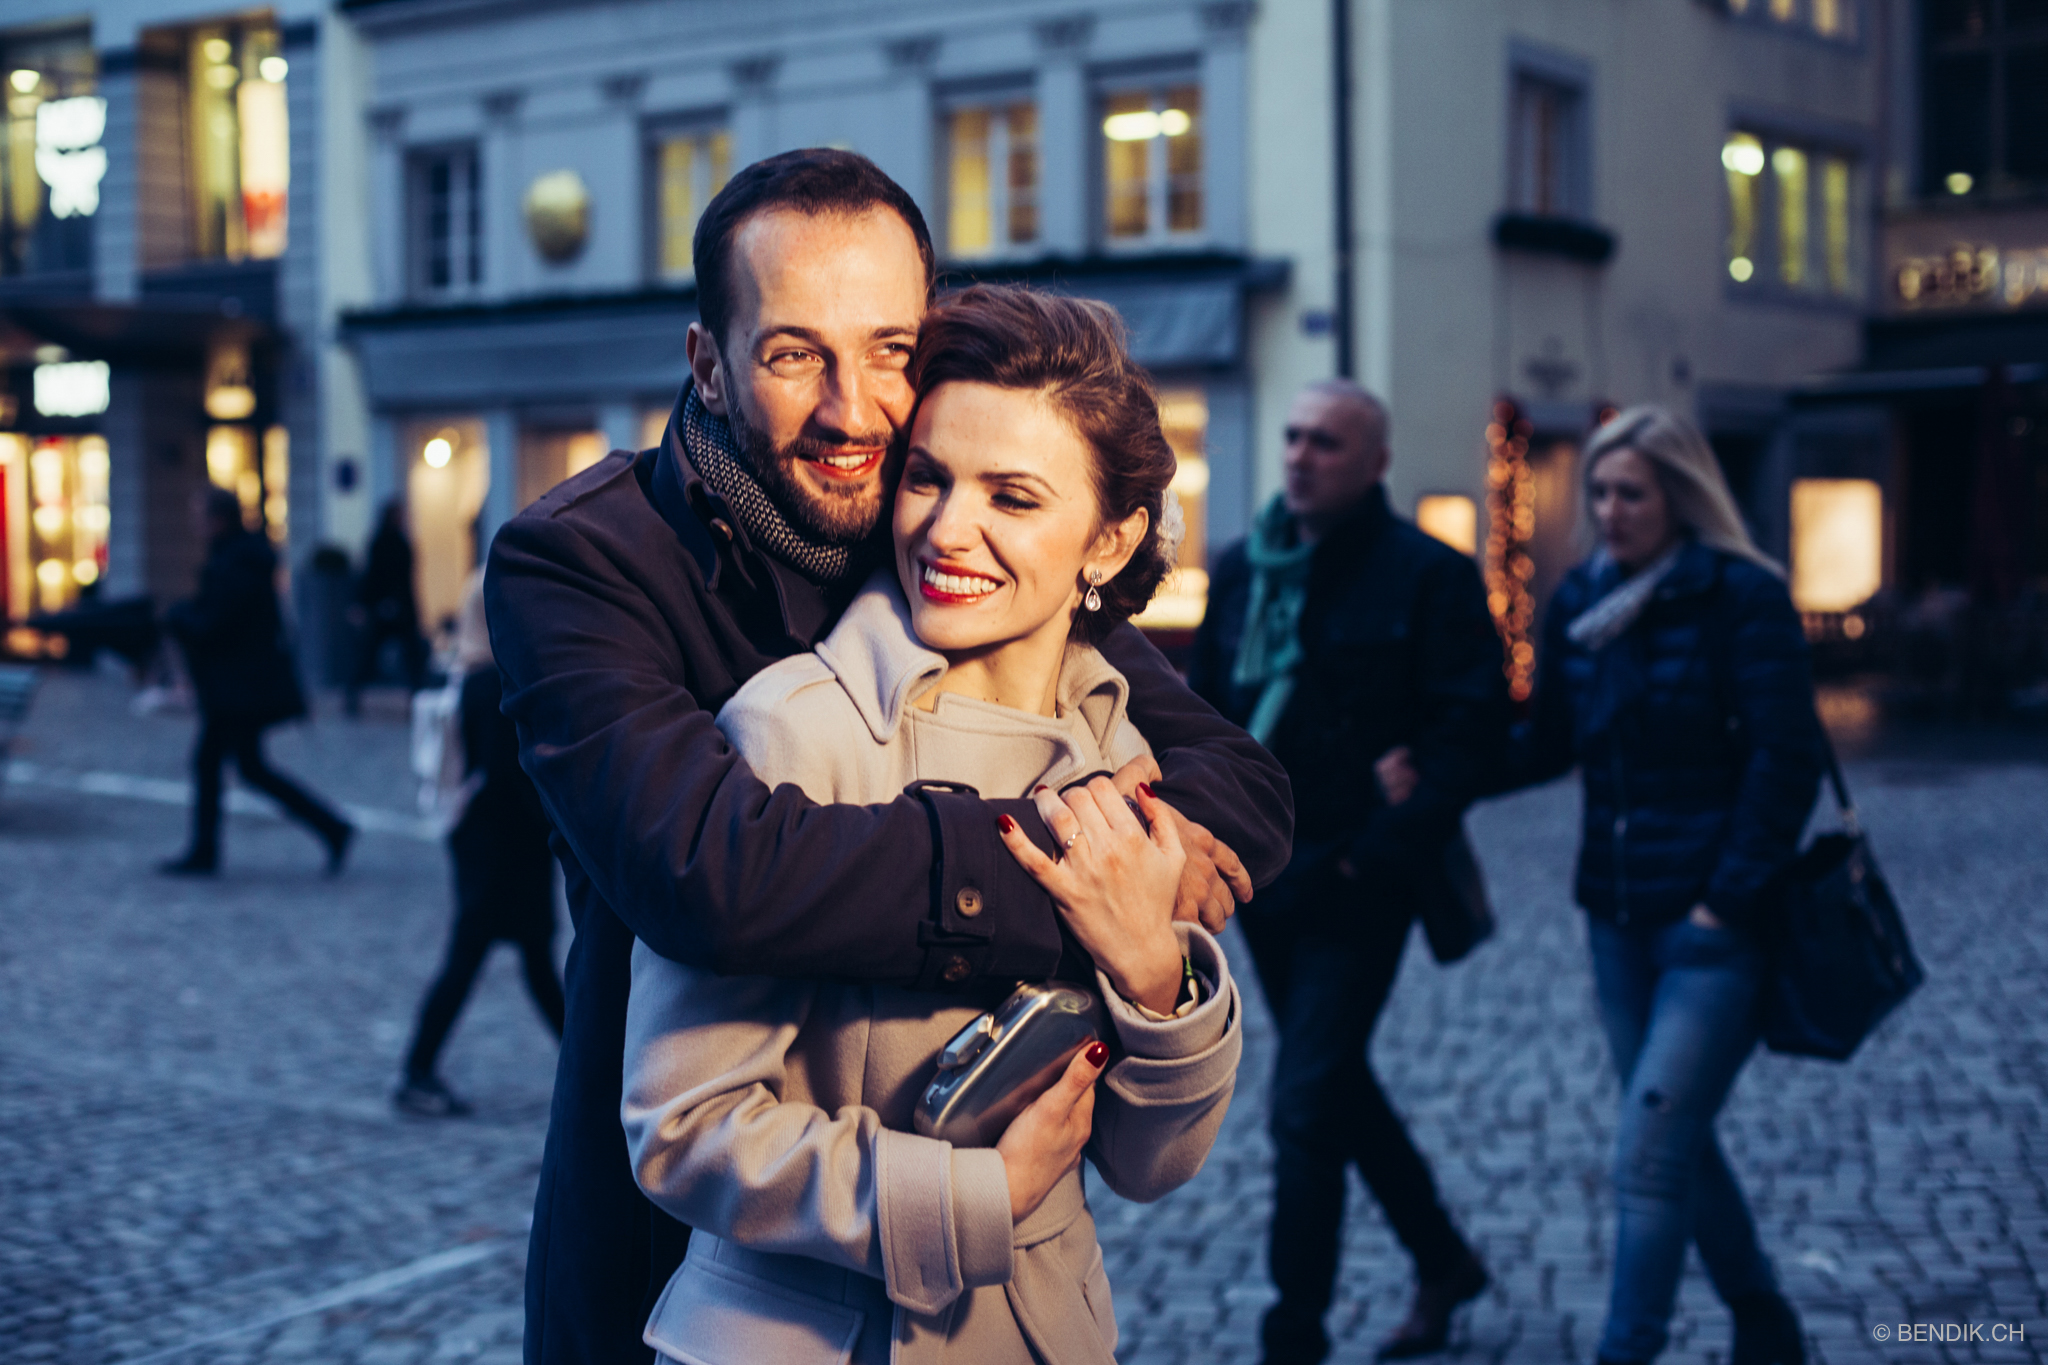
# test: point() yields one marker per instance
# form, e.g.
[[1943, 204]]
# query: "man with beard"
[[629, 603]]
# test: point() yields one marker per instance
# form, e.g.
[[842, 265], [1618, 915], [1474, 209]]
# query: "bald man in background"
[[1336, 632]]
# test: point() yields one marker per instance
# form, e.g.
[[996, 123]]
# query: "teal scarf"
[[1270, 651]]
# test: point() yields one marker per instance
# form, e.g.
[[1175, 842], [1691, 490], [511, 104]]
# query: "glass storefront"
[[239, 141], [53, 520], [447, 473]]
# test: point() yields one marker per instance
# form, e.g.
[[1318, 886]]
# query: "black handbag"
[[1841, 960], [1456, 915]]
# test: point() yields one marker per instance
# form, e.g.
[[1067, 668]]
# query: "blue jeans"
[[1680, 1006]]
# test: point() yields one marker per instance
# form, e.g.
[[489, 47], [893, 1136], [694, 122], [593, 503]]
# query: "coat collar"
[[717, 540], [884, 667], [1697, 570]]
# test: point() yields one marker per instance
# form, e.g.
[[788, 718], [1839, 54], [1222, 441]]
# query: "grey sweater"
[[774, 1117]]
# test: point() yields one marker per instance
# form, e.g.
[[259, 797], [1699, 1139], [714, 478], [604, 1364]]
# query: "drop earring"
[[1093, 601]]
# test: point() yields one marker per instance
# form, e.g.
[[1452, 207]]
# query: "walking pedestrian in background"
[[1336, 632], [242, 669], [504, 873], [1674, 674], [386, 609]]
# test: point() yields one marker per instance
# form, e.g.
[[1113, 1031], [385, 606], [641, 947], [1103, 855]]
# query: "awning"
[[1184, 312]]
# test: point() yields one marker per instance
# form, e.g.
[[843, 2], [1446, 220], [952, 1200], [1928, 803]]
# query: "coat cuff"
[[1193, 1033], [991, 919], [941, 1219]]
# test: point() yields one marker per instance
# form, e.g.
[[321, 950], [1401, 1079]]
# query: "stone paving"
[[198, 1162]]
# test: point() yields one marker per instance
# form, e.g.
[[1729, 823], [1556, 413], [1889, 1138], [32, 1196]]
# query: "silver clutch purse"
[[1004, 1060]]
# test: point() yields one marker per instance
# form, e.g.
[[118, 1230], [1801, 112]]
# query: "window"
[[447, 222], [53, 520], [690, 166], [1791, 216], [1184, 596], [240, 148], [1834, 19], [991, 173], [51, 160], [1837, 543], [1548, 175], [1152, 164], [1452, 518], [1984, 97]]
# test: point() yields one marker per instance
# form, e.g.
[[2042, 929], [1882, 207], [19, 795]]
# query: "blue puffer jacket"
[[1695, 730]]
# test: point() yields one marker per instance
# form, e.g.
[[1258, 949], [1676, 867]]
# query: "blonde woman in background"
[[1674, 675], [504, 873]]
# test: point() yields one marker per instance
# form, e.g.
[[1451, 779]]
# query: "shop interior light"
[[75, 388], [438, 452], [273, 69], [1142, 125], [216, 49], [1960, 182], [1452, 518], [1743, 155], [222, 77], [69, 157], [1741, 268], [25, 81], [230, 402], [86, 571]]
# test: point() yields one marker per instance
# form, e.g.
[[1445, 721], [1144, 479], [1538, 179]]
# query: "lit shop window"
[[1452, 518], [1791, 217], [1836, 19], [51, 158], [689, 168], [240, 142], [546, 457], [1837, 543], [447, 474], [53, 519], [1184, 597], [991, 178], [445, 211], [1152, 164]]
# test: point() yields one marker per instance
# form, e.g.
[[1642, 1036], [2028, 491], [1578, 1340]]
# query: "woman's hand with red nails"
[[1044, 1142], [1117, 884]]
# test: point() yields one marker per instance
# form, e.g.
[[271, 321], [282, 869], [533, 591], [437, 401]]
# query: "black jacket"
[[626, 607], [233, 635], [505, 873], [1398, 648], [1695, 731], [386, 583]]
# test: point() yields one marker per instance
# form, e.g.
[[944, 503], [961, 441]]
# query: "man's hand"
[[1213, 883]]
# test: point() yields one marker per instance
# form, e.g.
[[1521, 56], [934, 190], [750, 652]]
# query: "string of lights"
[[1510, 527]]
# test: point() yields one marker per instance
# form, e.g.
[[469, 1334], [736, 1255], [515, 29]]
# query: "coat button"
[[719, 525], [956, 970], [968, 902]]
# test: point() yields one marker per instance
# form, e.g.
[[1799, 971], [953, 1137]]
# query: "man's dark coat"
[[233, 635], [626, 607], [1397, 648]]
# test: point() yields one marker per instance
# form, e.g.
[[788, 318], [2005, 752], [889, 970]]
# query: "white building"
[[534, 172], [1570, 205]]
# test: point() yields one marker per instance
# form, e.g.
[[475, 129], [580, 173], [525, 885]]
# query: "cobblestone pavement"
[[198, 1162]]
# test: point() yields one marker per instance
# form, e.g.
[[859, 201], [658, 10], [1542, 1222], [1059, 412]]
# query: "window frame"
[[1529, 65], [465, 283], [1767, 282], [997, 97], [700, 126], [1998, 46], [1155, 81], [1802, 21]]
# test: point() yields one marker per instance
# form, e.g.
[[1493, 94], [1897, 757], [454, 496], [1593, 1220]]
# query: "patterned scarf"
[[1270, 651], [708, 441], [1604, 622]]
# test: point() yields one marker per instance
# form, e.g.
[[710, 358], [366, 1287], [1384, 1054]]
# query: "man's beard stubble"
[[831, 515]]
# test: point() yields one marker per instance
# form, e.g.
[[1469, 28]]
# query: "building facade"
[[161, 292], [1561, 207], [535, 173]]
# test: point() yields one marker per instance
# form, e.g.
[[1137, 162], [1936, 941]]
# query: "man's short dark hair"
[[811, 180]]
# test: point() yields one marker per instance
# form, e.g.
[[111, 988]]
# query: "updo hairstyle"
[[1073, 352]]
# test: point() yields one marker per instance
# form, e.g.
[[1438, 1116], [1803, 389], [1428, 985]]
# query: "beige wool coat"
[[774, 1117]]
